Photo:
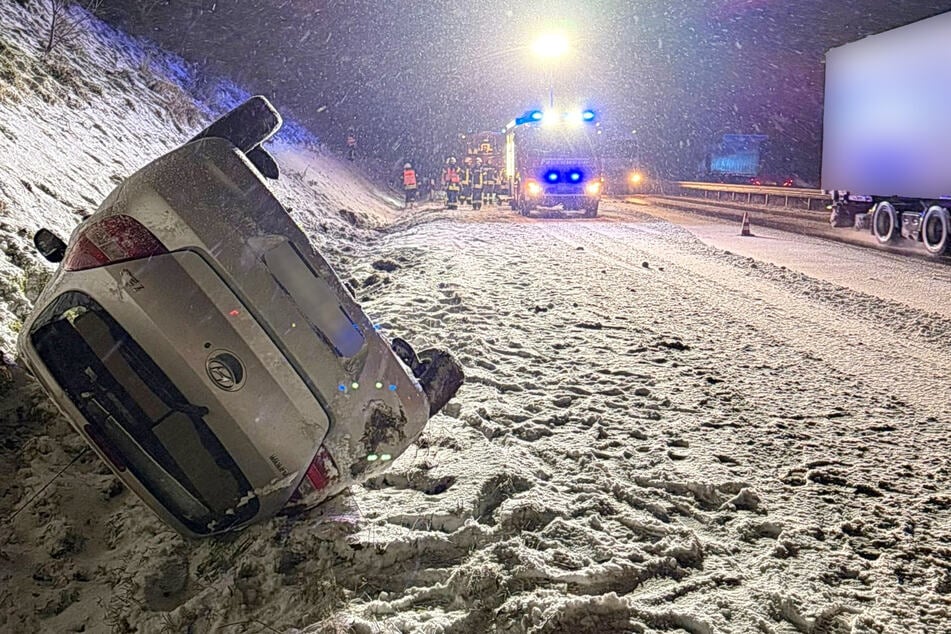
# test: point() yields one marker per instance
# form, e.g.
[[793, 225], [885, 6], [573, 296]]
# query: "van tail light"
[[110, 240], [321, 473], [322, 470]]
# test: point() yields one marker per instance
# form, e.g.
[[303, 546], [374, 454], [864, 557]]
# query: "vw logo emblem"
[[225, 370]]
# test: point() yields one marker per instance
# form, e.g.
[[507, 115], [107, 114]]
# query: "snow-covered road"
[[657, 433]]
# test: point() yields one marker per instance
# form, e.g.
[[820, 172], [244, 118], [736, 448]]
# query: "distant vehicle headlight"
[[637, 178], [533, 188], [593, 188]]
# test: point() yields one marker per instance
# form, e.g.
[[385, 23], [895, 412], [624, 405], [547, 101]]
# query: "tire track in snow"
[[658, 501]]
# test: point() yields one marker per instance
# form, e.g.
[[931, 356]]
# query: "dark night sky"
[[410, 75]]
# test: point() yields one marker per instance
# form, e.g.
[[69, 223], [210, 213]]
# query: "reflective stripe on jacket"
[[451, 175]]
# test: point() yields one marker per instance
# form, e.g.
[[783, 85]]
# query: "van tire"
[[246, 126]]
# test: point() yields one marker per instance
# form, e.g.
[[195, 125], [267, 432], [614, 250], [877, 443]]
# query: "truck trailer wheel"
[[935, 229], [885, 223]]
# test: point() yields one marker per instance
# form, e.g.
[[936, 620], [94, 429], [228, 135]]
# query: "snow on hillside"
[[656, 435], [77, 121], [73, 124]]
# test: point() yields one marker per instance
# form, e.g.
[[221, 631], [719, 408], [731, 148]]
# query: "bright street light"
[[550, 45]]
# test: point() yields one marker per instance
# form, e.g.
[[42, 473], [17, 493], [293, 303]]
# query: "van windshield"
[[543, 142], [139, 418]]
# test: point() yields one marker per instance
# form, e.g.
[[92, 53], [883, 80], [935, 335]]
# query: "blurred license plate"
[[315, 298]]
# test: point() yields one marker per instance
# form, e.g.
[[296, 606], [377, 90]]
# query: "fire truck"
[[551, 161], [487, 146]]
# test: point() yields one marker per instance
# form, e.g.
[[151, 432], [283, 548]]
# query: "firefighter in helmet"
[[465, 181], [478, 183], [490, 179], [409, 184], [451, 181]]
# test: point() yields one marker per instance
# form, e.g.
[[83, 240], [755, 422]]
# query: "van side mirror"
[[49, 245]]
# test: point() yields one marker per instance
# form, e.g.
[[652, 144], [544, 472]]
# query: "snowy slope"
[[74, 123], [656, 435]]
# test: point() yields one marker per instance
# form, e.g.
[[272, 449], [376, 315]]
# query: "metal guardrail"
[[782, 197]]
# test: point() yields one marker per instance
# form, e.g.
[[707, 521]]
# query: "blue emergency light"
[[532, 116], [574, 176], [552, 176], [588, 115]]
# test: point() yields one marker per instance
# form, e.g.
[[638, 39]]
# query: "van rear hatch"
[[182, 387]]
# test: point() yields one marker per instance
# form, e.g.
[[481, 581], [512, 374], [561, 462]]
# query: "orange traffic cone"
[[745, 231]]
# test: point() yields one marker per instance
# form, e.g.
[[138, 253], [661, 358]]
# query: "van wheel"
[[247, 126], [885, 223], [935, 230]]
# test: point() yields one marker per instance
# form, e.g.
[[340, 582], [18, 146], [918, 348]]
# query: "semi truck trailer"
[[887, 132]]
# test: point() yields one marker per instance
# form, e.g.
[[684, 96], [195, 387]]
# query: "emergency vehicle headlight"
[[551, 176], [533, 188], [593, 188], [575, 176]]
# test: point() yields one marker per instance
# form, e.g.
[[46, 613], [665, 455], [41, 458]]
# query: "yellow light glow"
[[550, 45], [636, 178], [534, 189], [594, 188]]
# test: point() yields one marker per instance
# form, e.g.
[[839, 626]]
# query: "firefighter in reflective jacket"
[[490, 179], [451, 181], [478, 184], [465, 181], [409, 184]]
